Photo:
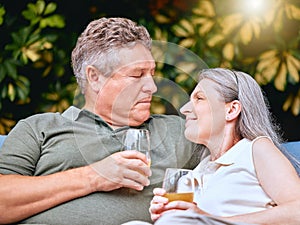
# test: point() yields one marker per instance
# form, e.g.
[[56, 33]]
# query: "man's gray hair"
[[99, 43]]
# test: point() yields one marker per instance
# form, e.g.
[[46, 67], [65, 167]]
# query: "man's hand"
[[122, 169]]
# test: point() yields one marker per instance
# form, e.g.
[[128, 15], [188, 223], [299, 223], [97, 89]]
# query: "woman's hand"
[[160, 205]]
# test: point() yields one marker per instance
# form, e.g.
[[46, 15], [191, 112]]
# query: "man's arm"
[[24, 196]]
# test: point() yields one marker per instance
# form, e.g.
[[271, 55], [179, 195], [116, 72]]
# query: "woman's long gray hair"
[[255, 118]]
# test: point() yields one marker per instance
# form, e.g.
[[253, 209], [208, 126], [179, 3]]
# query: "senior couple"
[[68, 168]]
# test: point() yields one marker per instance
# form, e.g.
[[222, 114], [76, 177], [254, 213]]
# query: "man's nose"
[[149, 84]]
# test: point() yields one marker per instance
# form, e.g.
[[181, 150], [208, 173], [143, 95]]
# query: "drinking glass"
[[138, 139], [179, 184]]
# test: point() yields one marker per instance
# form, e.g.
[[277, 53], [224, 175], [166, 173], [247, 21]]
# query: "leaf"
[[265, 63], [296, 105], [268, 54], [28, 14], [187, 25], [2, 72], [162, 19], [294, 61], [215, 40], [231, 22], [50, 8], [206, 27], [269, 16], [40, 6], [280, 79], [186, 67], [4, 92], [269, 73], [32, 54], [288, 102], [2, 13], [11, 92], [292, 11], [187, 42], [183, 29], [255, 28], [292, 68], [53, 21], [246, 33], [277, 23], [11, 69], [181, 78], [228, 51], [205, 8], [160, 34]]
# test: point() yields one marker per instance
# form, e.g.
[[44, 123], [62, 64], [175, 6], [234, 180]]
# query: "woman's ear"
[[233, 109], [93, 78]]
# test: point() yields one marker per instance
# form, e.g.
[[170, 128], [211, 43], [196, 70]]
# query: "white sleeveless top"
[[229, 186]]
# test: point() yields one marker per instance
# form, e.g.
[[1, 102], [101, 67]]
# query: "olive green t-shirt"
[[51, 142]]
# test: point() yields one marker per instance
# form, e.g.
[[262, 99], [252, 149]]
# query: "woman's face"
[[205, 113]]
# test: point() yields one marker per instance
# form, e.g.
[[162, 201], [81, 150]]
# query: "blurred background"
[[259, 37]]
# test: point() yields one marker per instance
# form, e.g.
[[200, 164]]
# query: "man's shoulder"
[[46, 119], [168, 118], [53, 115]]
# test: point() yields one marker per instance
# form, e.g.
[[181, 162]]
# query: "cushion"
[[2, 138], [292, 152]]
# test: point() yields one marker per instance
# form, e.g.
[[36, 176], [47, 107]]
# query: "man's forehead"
[[139, 64]]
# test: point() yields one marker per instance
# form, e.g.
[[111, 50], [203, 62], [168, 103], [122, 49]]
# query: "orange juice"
[[185, 196]]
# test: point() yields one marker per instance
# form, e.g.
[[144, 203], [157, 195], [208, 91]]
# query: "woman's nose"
[[186, 108]]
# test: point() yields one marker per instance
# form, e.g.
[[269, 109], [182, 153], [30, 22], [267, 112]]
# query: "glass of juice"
[[179, 184]]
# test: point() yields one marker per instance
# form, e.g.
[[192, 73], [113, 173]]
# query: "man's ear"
[[93, 77], [233, 109]]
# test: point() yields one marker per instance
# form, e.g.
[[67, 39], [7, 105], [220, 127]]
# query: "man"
[[69, 168]]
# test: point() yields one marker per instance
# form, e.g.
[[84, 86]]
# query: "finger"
[[128, 183], [156, 208], [135, 160], [182, 205], [133, 154], [136, 177], [138, 165], [159, 191], [155, 217], [159, 199]]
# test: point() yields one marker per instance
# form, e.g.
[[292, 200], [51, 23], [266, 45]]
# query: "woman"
[[246, 177]]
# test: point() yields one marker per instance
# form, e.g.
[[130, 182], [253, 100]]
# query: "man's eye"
[[136, 75]]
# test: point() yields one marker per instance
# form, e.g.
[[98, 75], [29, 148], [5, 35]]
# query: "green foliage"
[[35, 68], [28, 56], [263, 41]]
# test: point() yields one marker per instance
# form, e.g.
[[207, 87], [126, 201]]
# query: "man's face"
[[126, 95]]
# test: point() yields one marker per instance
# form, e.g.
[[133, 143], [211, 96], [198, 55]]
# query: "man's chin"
[[139, 119]]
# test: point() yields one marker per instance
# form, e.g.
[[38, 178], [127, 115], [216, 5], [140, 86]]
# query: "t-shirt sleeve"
[[20, 151]]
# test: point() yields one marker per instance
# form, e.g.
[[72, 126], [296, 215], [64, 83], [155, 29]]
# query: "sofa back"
[[2, 138]]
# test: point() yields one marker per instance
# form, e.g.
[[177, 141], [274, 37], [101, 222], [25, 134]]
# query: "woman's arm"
[[280, 181]]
